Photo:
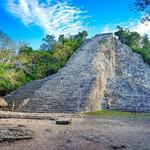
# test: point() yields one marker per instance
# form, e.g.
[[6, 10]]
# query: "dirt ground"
[[85, 133]]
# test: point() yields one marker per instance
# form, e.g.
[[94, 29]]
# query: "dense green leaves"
[[8, 72], [142, 6], [25, 49], [29, 64], [48, 43], [138, 44]]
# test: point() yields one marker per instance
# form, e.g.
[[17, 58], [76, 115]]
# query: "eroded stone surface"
[[84, 79], [129, 89], [102, 74]]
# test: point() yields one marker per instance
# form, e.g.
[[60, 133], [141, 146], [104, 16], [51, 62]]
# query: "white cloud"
[[132, 25], [108, 29], [54, 18], [141, 28]]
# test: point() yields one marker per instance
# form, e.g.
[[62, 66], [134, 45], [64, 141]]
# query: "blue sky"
[[30, 20]]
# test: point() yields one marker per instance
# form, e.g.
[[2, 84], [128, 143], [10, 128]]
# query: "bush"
[[29, 64], [138, 44]]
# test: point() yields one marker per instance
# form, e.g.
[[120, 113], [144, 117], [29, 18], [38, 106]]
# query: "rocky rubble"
[[9, 134]]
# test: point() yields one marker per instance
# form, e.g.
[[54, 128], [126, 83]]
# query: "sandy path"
[[84, 133]]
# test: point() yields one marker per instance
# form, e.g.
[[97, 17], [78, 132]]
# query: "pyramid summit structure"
[[102, 74]]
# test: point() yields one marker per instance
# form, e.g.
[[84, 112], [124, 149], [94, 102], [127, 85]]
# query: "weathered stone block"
[[63, 121]]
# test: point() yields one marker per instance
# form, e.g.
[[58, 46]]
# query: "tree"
[[122, 33], [144, 7], [146, 49], [48, 43], [62, 38], [81, 36], [25, 49], [145, 41], [138, 44], [16, 69], [141, 5], [5, 41], [132, 39], [8, 74], [7, 57]]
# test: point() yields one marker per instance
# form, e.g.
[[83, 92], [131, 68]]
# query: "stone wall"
[[129, 89], [82, 81], [102, 74]]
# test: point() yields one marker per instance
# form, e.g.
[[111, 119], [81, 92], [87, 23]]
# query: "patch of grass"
[[103, 41], [113, 114]]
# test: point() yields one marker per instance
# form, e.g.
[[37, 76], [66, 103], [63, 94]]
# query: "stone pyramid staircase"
[[74, 87], [102, 74]]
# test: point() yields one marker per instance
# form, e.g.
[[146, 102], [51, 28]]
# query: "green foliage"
[[48, 43], [9, 76], [25, 49], [118, 114], [29, 64], [142, 6], [138, 44]]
